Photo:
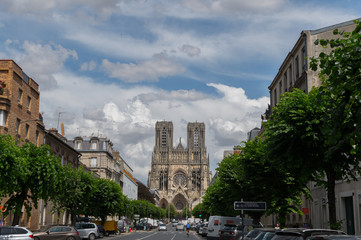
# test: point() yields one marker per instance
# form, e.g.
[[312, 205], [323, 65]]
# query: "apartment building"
[[294, 72], [20, 118], [19, 104], [98, 155], [130, 186]]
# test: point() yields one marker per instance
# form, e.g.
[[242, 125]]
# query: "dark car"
[[231, 232], [143, 226], [335, 237], [102, 231], [303, 233], [15, 233], [252, 234], [58, 233]]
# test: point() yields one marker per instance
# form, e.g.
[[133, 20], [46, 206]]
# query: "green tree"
[[341, 86], [171, 211], [186, 212], [295, 143], [200, 212], [32, 173], [76, 192], [106, 199]]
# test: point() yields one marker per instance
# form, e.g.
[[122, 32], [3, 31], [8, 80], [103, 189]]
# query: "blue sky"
[[116, 67]]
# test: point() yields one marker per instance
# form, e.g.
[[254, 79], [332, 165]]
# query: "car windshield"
[[229, 227], [163, 225], [253, 233]]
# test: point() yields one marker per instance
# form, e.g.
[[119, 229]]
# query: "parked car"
[[180, 227], [15, 233], [335, 237], [205, 230], [252, 234], [143, 226], [87, 230], [264, 231], [102, 231], [304, 233], [231, 232], [58, 233], [162, 227]]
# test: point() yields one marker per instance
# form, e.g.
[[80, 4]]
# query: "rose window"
[[179, 179]]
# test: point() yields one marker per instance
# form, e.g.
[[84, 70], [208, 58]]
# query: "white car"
[[162, 227], [179, 227]]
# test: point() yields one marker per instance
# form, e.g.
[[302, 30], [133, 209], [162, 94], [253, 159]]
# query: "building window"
[[3, 115], [18, 126], [77, 144], [297, 67], [196, 138], [27, 131], [304, 58], [280, 87], [94, 145], [37, 138], [93, 162], [20, 96], [290, 81], [28, 104], [285, 81], [275, 96], [164, 138]]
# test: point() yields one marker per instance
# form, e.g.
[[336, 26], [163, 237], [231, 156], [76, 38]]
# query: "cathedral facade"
[[181, 175]]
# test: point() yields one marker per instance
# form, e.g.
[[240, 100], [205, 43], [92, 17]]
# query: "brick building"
[[20, 118], [19, 104]]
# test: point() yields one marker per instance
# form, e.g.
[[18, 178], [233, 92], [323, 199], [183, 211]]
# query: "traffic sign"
[[255, 206], [136, 216]]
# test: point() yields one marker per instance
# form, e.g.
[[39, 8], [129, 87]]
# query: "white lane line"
[[147, 236], [173, 236]]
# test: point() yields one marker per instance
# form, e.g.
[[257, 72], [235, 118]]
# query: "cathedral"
[[180, 174]]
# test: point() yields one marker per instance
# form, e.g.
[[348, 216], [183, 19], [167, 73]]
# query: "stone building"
[[181, 174], [294, 72], [98, 155]]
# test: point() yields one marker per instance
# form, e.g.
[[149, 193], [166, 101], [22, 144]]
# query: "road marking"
[[173, 236], [147, 236]]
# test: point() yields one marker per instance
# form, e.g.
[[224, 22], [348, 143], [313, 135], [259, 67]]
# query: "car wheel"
[[101, 235], [36, 238], [91, 236], [70, 238]]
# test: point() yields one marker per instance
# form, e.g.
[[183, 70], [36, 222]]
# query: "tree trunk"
[[19, 199], [331, 197]]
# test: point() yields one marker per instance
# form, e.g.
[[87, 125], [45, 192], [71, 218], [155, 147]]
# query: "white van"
[[216, 223]]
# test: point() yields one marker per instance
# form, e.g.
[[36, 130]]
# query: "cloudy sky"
[[115, 67]]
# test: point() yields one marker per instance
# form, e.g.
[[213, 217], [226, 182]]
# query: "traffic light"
[[200, 215]]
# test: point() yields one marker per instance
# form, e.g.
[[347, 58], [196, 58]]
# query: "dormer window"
[[94, 144], [77, 144]]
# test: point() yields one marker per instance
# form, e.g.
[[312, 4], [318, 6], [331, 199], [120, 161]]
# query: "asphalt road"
[[170, 234]]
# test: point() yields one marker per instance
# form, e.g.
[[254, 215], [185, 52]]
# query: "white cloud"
[[151, 70], [39, 61], [88, 66], [190, 50], [128, 119]]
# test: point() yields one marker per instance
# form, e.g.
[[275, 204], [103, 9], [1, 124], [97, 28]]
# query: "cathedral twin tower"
[[181, 175]]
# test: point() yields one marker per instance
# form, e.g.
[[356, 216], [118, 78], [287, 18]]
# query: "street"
[[170, 234]]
